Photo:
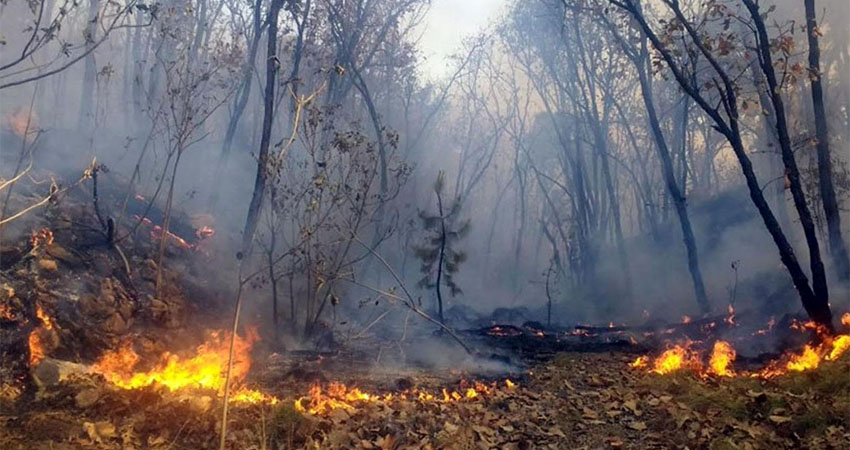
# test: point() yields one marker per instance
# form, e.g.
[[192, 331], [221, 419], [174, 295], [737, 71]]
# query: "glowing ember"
[[770, 324], [41, 238], [204, 232], [156, 233], [721, 359], [6, 312], [845, 319], [730, 319], [499, 331], [686, 319], [640, 362], [510, 384], [205, 370]]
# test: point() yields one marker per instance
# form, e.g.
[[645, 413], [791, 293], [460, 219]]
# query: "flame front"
[[676, 358], [37, 337], [340, 396], [684, 356], [722, 356], [205, 370]]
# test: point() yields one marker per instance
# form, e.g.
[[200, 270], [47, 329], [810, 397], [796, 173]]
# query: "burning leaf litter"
[[205, 370], [340, 396], [686, 355]]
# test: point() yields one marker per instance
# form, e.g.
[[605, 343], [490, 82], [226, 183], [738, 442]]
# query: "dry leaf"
[[779, 419]]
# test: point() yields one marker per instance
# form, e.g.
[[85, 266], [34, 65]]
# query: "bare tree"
[[827, 188]]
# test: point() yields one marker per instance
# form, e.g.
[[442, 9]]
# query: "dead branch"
[[409, 302]]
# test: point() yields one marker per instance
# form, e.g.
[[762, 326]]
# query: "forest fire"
[[340, 396], [684, 355], [205, 370], [37, 337]]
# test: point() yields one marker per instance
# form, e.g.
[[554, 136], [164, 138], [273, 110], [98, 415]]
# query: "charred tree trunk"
[[827, 190], [272, 64]]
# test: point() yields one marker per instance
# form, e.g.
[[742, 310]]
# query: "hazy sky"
[[447, 23]]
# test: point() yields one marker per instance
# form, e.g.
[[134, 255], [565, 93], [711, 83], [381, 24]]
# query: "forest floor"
[[589, 401]]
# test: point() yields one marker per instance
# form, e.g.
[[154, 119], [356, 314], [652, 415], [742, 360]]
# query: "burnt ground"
[[576, 400]]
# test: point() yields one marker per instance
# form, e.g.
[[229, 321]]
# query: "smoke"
[[501, 124]]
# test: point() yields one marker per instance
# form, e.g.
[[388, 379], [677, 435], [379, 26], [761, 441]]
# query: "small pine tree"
[[440, 260]]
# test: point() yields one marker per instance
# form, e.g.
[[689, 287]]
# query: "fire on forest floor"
[[688, 354], [574, 401]]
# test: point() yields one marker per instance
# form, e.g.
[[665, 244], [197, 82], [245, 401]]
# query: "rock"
[[115, 324], [87, 397], [51, 371], [48, 265], [105, 429], [125, 308], [107, 292]]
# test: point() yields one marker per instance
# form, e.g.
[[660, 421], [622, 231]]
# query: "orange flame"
[[840, 345], [36, 347], [340, 396], [807, 360], [206, 370], [845, 319], [676, 358], [682, 356], [36, 338], [640, 362], [722, 356]]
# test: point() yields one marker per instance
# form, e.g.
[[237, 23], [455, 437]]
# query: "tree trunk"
[[817, 308], [86, 122], [672, 187], [827, 190], [442, 257], [268, 112], [239, 104], [765, 58]]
